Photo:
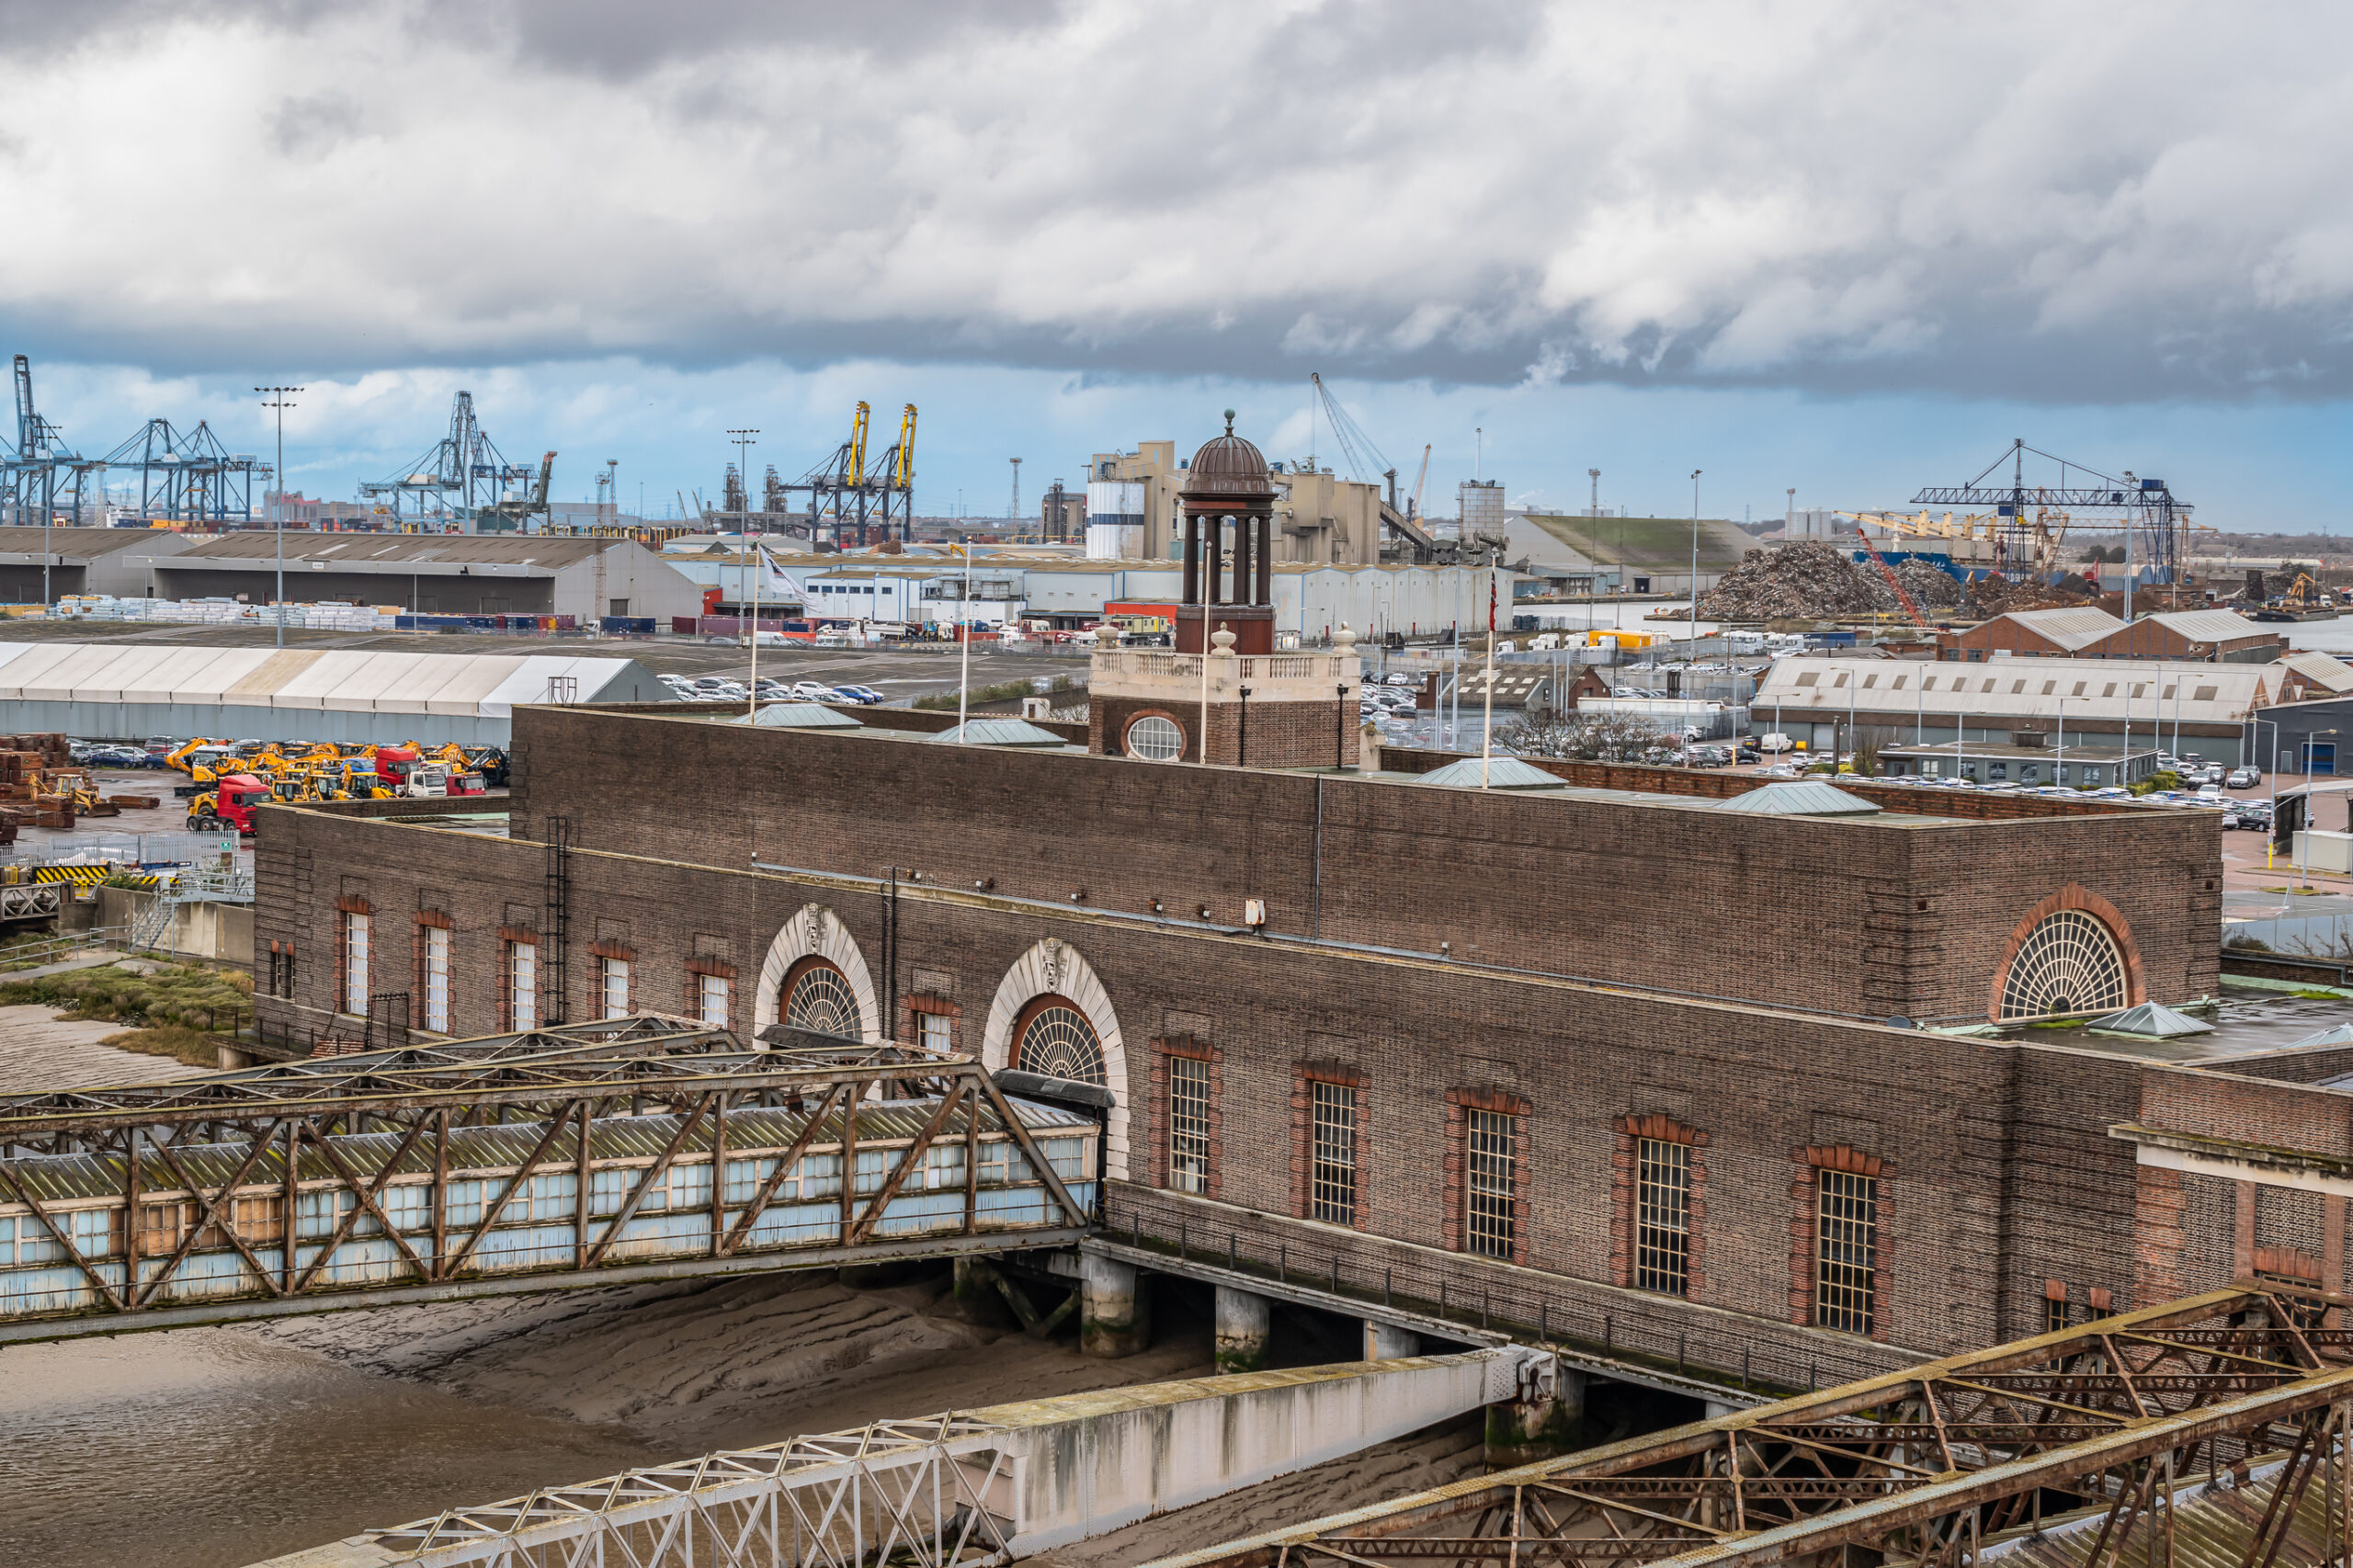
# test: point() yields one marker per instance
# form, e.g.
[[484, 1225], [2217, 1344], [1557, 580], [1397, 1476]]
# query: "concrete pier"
[[1541, 1423], [1242, 1330], [1383, 1342], [1114, 1310]]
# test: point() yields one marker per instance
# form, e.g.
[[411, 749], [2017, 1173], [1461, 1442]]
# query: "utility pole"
[[1013, 512], [274, 398], [745, 441], [1790, 512], [1695, 583]]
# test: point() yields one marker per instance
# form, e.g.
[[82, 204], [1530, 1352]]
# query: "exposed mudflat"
[[734, 1363]]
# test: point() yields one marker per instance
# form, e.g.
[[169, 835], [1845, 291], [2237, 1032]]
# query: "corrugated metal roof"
[[2321, 669], [337, 681], [2070, 628], [548, 552], [1501, 773], [1799, 798], [2025, 692], [73, 545], [2210, 625], [67, 1178], [2210, 1526], [996, 733]]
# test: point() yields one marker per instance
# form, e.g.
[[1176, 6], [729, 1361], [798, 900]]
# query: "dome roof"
[[1228, 468]]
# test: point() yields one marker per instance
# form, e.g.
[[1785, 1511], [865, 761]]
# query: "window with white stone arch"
[[2069, 963], [1055, 973], [815, 932]]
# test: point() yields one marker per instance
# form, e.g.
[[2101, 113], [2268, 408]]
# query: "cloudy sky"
[[1851, 248]]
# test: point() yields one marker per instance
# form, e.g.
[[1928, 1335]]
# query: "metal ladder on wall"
[[558, 921]]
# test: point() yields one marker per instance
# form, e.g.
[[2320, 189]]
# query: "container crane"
[[1365, 465], [848, 498]]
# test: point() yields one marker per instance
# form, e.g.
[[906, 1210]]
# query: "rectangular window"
[[711, 996], [355, 963], [1189, 1124], [932, 1031], [612, 986], [1663, 1216], [1489, 1208], [1331, 1189], [436, 979], [522, 985], [1845, 1251], [2054, 1313]]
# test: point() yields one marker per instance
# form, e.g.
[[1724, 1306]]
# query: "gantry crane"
[[852, 502]]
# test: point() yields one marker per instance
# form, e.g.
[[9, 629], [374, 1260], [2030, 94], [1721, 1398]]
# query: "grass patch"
[[175, 996], [1001, 691], [181, 1044]]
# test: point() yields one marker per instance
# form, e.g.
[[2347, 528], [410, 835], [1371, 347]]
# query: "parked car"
[[2243, 778], [814, 691], [860, 694]]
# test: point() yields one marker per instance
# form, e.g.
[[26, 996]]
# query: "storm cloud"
[[2051, 203]]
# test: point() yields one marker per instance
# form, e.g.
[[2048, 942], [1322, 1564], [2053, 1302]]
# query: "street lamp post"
[[2304, 870], [274, 398], [1695, 564], [2273, 773], [744, 440]]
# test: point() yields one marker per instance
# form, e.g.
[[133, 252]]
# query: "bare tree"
[[1606, 735]]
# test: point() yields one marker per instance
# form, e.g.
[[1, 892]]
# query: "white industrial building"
[[586, 577], [2189, 708], [132, 691]]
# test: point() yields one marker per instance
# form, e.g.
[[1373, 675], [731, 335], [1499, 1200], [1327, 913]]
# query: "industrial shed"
[[100, 691], [587, 578], [83, 561]]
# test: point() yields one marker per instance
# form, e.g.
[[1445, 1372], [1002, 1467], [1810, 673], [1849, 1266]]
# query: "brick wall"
[[1861, 917], [1998, 1161]]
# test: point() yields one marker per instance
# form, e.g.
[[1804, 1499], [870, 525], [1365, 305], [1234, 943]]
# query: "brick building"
[[1617, 1056]]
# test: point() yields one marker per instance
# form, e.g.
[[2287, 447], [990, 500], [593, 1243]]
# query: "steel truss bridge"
[[2215, 1429], [591, 1154]]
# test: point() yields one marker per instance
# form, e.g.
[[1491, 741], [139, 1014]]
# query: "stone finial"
[[1343, 642], [1222, 641]]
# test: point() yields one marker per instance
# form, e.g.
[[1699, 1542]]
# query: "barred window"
[[1189, 1124], [355, 963], [436, 979], [1490, 1210], [612, 984], [522, 985], [1332, 1187], [1845, 1251], [1663, 1216], [711, 995]]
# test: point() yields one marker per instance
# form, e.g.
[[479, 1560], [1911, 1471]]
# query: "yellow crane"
[[903, 475]]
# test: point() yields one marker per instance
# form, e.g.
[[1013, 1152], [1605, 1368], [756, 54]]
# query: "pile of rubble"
[[1812, 579], [1805, 579], [1996, 595]]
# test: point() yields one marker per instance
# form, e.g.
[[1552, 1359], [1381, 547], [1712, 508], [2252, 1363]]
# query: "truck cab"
[[231, 804]]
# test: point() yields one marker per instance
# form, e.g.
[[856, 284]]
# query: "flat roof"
[[533, 554], [69, 545]]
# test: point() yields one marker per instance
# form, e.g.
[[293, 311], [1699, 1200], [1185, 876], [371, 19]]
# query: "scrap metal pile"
[[1810, 578]]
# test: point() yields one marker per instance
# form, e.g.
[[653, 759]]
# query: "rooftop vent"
[[1502, 773], [1800, 798], [997, 733], [798, 716]]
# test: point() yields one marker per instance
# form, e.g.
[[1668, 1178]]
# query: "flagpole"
[[1488, 722]]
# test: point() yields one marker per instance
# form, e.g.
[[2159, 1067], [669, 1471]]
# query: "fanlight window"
[[2068, 963], [1058, 1041], [821, 1002]]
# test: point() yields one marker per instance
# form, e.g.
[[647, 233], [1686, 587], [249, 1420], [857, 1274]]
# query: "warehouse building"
[[1626, 555], [130, 691], [2190, 710], [2087, 631], [119, 562], [588, 578]]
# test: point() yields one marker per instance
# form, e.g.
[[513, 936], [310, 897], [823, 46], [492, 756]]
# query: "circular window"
[[1056, 1040], [2068, 963], [1155, 739], [818, 999]]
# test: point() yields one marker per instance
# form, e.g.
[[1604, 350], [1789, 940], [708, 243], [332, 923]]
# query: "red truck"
[[230, 805]]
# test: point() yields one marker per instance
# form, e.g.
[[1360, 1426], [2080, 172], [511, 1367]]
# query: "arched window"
[[1154, 738], [1053, 1037], [2069, 963], [817, 998]]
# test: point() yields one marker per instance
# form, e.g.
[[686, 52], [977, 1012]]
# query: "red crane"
[[1893, 581]]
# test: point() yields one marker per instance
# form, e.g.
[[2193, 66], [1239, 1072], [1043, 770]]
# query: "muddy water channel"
[[213, 1447]]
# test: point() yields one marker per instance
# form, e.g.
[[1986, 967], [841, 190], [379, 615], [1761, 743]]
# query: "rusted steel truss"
[[1926, 1466], [226, 1158]]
